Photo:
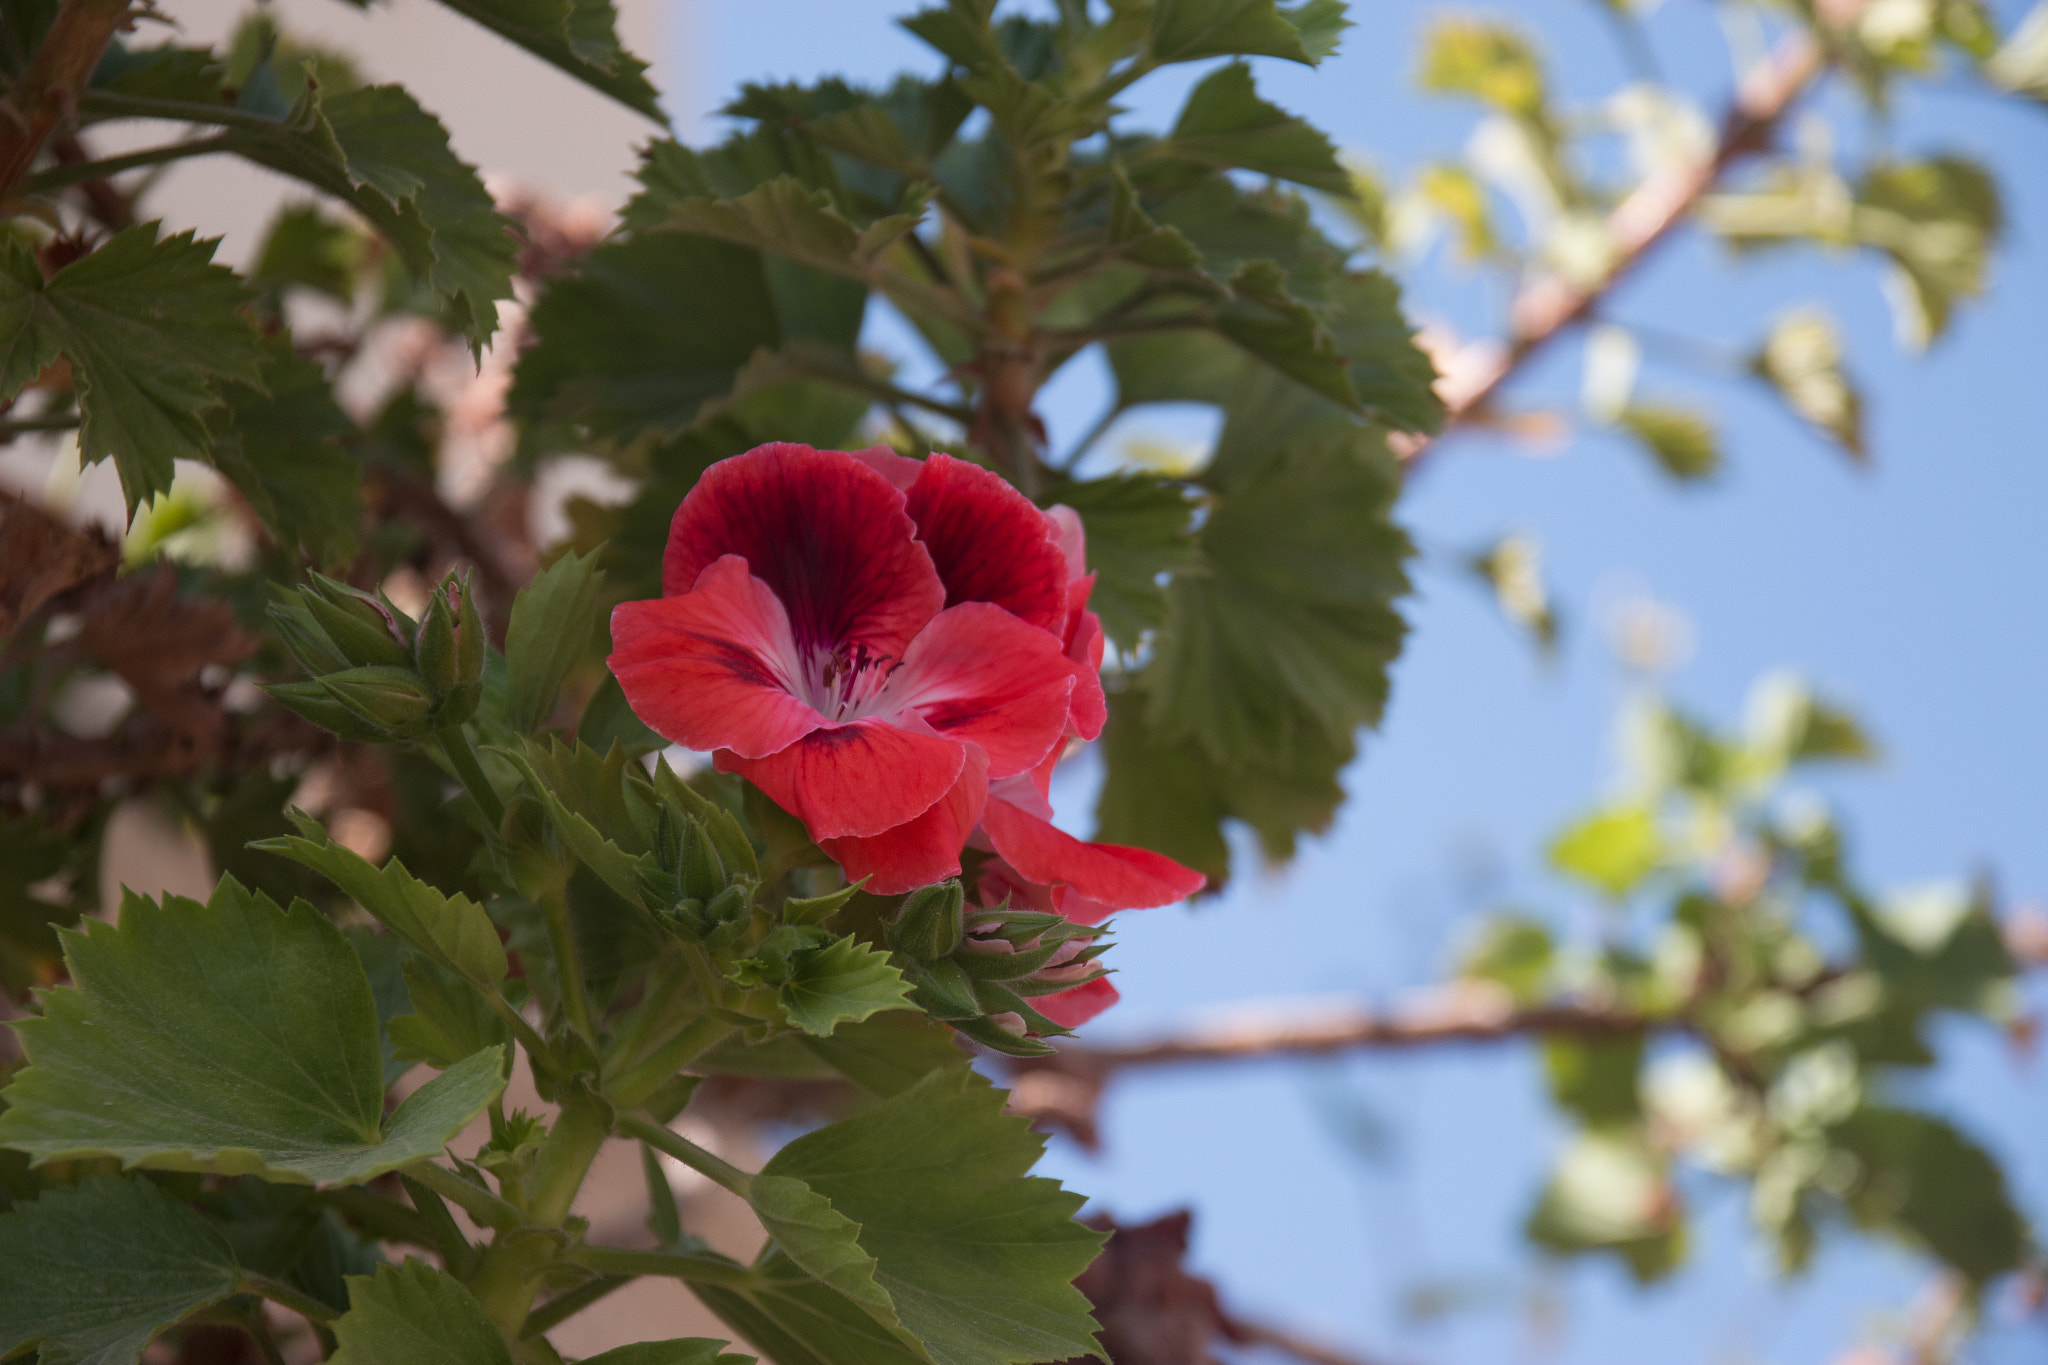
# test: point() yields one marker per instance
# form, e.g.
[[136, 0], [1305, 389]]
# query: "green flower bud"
[[729, 906], [363, 628], [928, 926], [943, 991], [392, 699], [302, 635], [698, 865], [433, 647], [317, 704]]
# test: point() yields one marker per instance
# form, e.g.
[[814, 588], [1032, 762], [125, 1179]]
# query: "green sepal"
[[302, 635], [315, 703], [361, 626], [928, 928], [392, 700]]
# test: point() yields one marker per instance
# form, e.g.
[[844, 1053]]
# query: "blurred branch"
[[47, 92], [1548, 305]]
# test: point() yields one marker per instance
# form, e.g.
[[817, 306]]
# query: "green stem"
[[554, 907], [387, 1220], [462, 758], [631, 1088], [564, 1306], [58, 177], [708, 1164], [307, 1307], [479, 1203], [536, 1047], [21, 426], [700, 1267], [565, 1158]]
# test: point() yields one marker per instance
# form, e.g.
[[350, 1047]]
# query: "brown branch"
[[1548, 305], [47, 92]]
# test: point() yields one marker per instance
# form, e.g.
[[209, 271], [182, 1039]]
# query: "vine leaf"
[[415, 1314], [90, 1272], [1189, 30], [578, 36], [230, 1037], [1225, 124], [151, 328], [977, 1258]]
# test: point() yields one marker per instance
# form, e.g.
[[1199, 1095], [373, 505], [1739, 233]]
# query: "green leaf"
[[889, 1053], [280, 445], [826, 1243], [1611, 850], [383, 957], [552, 619], [231, 1037], [1226, 125], [1517, 954], [1389, 372], [1490, 62], [1938, 220], [451, 930], [977, 1257], [1273, 325], [1681, 441], [1292, 617], [1802, 360], [375, 148], [1190, 30], [791, 219], [449, 1019], [1612, 1192], [676, 1351], [1138, 530], [796, 1320], [151, 328], [841, 983], [1921, 1178], [304, 246], [415, 1315], [2021, 62], [91, 1272], [578, 36], [1594, 1079], [288, 1233], [603, 817]]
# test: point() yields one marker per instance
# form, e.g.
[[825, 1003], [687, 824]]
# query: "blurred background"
[[1375, 1201]]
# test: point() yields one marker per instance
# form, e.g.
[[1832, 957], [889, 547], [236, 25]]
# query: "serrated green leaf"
[[578, 36], [91, 1272], [1190, 30], [796, 1320], [843, 982], [552, 620], [1292, 615], [383, 957], [151, 328], [605, 818], [1225, 124], [889, 1053], [415, 1314], [448, 1019], [288, 1233], [1274, 326], [824, 1242], [1389, 372], [977, 1257], [281, 446], [304, 246], [231, 1037], [1138, 531], [1682, 441], [451, 930], [1612, 850]]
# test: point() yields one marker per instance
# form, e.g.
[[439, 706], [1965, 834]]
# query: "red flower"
[[871, 651]]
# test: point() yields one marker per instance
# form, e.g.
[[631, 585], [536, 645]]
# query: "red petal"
[[921, 851], [988, 542], [1073, 540], [824, 531], [1084, 653], [900, 470], [1071, 1009], [979, 674], [862, 778], [1112, 875], [712, 669]]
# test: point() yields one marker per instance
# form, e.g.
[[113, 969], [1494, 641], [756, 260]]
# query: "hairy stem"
[[554, 908], [462, 758], [676, 1265], [631, 1088], [708, 1164], [479, 1203], [47, 93], [77, 173], [509, 1273]]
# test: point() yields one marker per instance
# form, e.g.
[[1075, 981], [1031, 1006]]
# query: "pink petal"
[[858, 779], [1084, 653], [988, 542], [979, 674], [826, 533], [1073, 540], [713, 668], [1073, 1008], [1111, 875], [920, 851]]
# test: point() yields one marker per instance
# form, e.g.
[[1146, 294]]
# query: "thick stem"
[[509, 1274], [675, 1265], [486, 1208], [47, 92], [554, 908], [631, 1088]]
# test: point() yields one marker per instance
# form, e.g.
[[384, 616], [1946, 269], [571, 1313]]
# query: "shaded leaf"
[[1226, 125], [1923, 1179], [1138, 530], [676, 1351], [1681, 441], [796, 1320], [151, 328], [415, 1314], [91, 1272], [231, 1037], [280, 445], [1189, 30], [578, 36], [552, 620], [448, 1019]]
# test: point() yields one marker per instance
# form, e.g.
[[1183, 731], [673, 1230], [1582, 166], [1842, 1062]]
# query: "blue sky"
[[1328, 1193]]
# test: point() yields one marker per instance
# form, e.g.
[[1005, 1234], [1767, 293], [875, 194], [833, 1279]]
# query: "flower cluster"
[[897, 652]]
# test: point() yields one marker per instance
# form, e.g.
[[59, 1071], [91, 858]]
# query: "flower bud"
[[943, 991], [391, 699], [448, 651], [302, 635], [928, 926], [698, 865], [433, 647], [317, 704], [362, 627]]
